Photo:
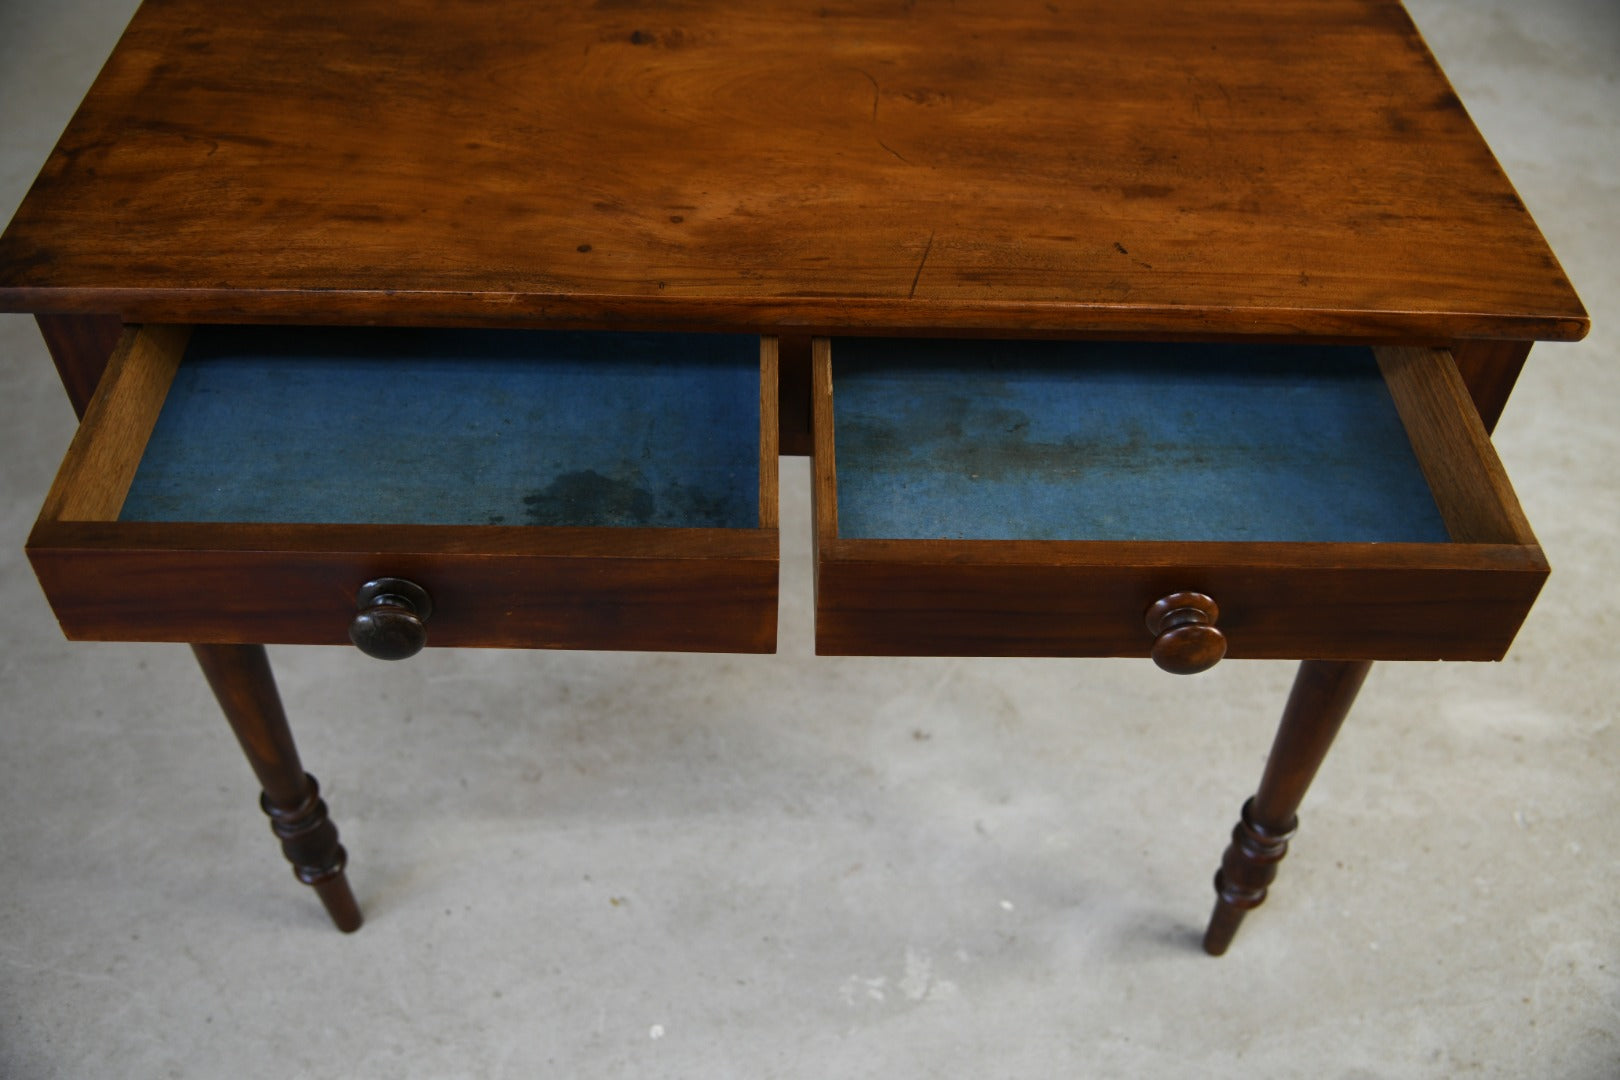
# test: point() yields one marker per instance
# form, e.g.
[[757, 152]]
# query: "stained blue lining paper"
[[1110, 441], [453, 427]]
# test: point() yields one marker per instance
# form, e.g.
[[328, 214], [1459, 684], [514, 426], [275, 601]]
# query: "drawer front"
[[1456, 587], [208, 561], [1281, 605]]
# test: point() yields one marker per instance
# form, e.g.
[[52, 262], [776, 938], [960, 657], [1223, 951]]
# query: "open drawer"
[[979, 498], [539, 489]]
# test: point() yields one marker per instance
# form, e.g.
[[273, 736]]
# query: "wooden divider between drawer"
[[769, 434]]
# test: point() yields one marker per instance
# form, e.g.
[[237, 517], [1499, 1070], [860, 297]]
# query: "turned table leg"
[[241, 679], [1323, 693]]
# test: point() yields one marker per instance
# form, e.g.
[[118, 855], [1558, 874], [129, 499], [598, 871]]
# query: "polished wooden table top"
[[1166, 167]]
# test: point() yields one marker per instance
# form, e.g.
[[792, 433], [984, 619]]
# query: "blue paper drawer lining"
[[455, 427], [1110, 441]]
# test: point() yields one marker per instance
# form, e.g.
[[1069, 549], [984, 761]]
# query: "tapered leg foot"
[[242, 682], [310, 842], [1247, 869], [1321, 699]]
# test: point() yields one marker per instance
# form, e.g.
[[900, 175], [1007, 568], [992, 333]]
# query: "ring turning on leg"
[[1323, 692], [242, 682]]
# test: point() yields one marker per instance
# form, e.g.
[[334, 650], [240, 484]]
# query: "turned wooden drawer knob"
[[1186, 640], [390, 621]]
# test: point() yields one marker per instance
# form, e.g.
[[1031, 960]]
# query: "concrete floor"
[[585, 865]]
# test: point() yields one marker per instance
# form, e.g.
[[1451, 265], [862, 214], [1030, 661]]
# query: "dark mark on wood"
[[1119, 247], [875, 92], [893, 151], [918, 275], [583, 248]]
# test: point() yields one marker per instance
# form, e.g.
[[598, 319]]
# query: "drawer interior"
[[543, 489], [985, 498], [1122, 441], [457, 427]]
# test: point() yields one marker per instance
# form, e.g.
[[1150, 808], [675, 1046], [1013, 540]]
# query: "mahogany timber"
[[824, 476], [80, 345], [1470, 486], [706, 590], [1489, 369], [681, 590], [106, 449], [239, 676], [954, 599], [1324, 691], [793, 394], [1356, 601], [1321, 698], [1266, 168], [1185, 637], [1167, 167], [770, 426], [246, 691], [390, 621]]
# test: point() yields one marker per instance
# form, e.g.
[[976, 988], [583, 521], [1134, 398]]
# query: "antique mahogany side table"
[[1166, 328]]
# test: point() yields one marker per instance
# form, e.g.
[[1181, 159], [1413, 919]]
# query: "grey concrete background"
[[597, 865]]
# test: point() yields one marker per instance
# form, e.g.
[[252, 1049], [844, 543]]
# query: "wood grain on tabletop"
[[1169, 167]]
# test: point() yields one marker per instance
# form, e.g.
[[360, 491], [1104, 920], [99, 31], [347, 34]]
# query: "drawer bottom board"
[[456, 427], [1114, 441]]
